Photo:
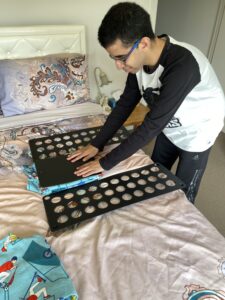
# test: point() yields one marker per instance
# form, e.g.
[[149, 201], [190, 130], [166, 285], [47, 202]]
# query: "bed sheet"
[[161, 248], [14, 148]]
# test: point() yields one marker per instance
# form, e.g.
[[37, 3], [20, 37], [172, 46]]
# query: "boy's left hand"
[[89, 168]]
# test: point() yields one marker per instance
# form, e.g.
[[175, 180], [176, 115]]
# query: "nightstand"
[[137, 116]]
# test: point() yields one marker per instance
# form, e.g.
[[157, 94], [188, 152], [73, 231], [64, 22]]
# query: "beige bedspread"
[[161, 248]]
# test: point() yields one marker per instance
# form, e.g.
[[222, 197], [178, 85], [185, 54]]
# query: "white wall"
[[200, 23], [86, 12], [188, 21]]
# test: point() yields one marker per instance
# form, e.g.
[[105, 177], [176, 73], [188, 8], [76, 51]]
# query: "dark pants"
[[191, 165]]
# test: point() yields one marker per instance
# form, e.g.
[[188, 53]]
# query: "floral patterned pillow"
[[43, 83]]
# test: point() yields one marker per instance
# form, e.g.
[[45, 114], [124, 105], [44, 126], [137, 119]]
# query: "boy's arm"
[[176, 85], [124, 107]]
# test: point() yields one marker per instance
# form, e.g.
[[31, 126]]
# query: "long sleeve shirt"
[[185, 98]]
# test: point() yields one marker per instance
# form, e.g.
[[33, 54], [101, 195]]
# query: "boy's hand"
[[89, 168], [86, 153]]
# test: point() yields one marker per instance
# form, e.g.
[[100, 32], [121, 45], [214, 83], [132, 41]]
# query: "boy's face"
[[129, 59]]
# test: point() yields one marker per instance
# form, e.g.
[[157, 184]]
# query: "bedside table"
[[137, 116]]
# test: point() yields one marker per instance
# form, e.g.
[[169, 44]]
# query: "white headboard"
[[32, 41]]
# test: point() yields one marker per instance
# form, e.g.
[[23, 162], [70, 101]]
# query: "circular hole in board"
[[56, 199], [114, 181], [76, 214], [72, 204], [160, 186], [125, 178], [38, 143], [80, 192], [97, 196], [69, 143], [78, 141], [131, 185], [120, 188], [89, 209], [135, 175], [171, 183], [50, 147], [145, 172], [102, 204], [62, 219], [63, 152], [149, 190], [104, 185], [40, 149], [92, 188], [154, 169], [114, 200], [126, 197], [83, 133], [85, 200], [57, 139], [152, 179], [162, 175], [59, 145], [59, 209], [68, 196], [87, 139], [138, 193], [142, 182], [48, 141], [109, 192], [52, 154], [66, 137]]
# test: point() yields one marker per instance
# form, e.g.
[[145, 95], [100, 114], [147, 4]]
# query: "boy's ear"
[[145, 42]]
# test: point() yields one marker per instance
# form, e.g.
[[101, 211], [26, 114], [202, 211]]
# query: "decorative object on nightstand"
[[102, 79]]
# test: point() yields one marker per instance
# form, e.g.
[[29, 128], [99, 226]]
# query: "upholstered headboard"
[[33, 41]]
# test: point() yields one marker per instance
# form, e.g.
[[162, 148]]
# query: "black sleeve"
[[124, 107], [177, 81]]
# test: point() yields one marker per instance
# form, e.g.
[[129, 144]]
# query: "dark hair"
[[125, 21], [14, 258]]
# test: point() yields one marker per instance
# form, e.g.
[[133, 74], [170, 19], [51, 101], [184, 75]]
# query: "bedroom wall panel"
[[88, 13]]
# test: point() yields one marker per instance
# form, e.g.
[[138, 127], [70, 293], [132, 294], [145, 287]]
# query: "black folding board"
[[50, 154], [81, 203]]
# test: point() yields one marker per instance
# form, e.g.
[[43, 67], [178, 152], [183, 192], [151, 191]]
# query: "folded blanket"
[[33, 182], [30, 270]]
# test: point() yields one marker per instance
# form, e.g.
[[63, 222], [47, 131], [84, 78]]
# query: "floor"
[[211, 196]]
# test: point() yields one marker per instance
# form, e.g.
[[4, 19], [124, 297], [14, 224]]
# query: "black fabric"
[[191, 165]]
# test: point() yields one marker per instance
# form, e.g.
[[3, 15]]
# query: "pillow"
[[47, 82]]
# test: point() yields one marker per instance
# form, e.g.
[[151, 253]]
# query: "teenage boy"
[[178, 84]]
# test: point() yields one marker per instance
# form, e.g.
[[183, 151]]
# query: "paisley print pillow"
[[47, 82]]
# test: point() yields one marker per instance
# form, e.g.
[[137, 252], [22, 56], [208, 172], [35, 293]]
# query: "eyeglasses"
[[123, 58]]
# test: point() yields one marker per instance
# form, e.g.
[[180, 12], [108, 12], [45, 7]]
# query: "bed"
[[159, 248]]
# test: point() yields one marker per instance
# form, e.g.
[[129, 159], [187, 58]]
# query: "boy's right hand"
[[86, 153]]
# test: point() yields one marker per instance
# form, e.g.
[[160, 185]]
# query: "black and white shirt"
[[185, 98]]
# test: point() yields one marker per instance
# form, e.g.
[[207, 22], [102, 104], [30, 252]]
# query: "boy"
[[179, 85]]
